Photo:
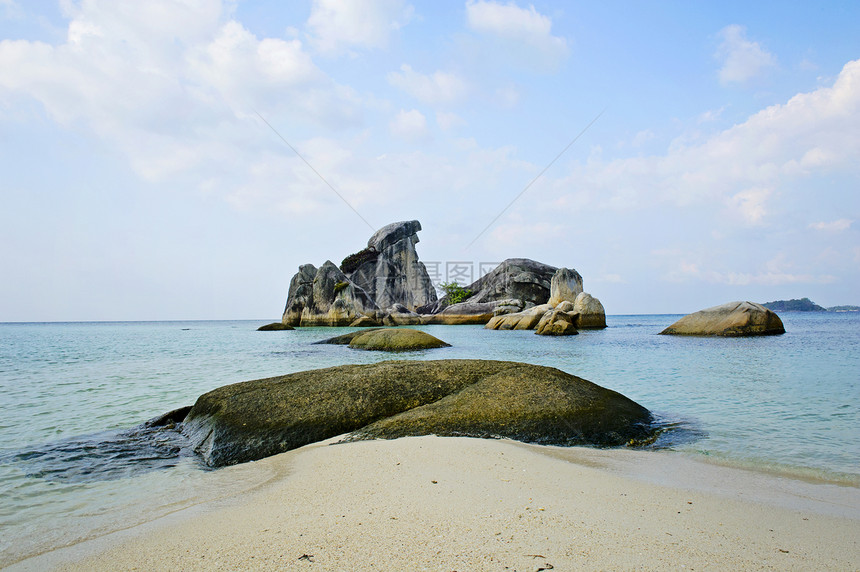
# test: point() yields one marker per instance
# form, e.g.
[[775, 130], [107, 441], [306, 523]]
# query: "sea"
[[75, 397]]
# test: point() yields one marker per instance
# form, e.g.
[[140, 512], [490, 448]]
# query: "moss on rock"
[[254, 419], [527, 403], [395, 340]]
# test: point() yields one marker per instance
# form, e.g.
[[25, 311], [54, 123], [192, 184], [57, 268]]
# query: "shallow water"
[[72, 392]]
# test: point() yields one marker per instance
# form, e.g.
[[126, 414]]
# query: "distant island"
[[802, 305], [805, 305]]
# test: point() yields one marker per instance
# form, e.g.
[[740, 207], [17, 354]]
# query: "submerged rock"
[[365, 322], [730, 319], [274, 327], [395, 340], [345, 339], [254, 419]]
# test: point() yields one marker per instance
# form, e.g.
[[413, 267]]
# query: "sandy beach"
[[461, 504]]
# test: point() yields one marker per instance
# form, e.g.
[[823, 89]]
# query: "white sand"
[[466, 504]]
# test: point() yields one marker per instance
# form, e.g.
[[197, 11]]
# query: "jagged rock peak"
[[393, 233], [396, 275]]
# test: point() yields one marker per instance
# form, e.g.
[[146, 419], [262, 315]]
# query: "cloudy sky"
[[715, 155]]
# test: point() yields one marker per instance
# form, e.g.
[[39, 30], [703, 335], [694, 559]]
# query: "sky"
[[180, 159]]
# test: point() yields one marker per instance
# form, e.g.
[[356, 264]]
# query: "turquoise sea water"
[[71, 391]]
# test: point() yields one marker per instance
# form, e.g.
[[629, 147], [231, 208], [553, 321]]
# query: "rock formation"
[[386, 275], [566, 284], [465, 313], [560, 321], [515, 278], [731, 319], [395, 276], [386, 284], [568, 309], [590, 310], [400, 315], [525, 320], [325, 297], [254, 419]]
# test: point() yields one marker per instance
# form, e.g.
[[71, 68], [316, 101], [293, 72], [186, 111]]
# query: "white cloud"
[[642, 137], [440, 88], [742, 59], [832, 226], [768, 278], [170, 84], [524, 29], [751, 203], [448, 121], [336, 25], [514, 234], [409, 125], [711, 115], [10, 10], [812, 134], [692, 267]]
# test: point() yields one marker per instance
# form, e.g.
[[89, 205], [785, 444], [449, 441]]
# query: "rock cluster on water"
[[731, 320], [386, 284], [479, 398], [568, 309], [386, 278]]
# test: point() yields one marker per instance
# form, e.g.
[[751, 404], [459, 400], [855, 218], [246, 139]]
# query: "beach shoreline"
[[432, 503]]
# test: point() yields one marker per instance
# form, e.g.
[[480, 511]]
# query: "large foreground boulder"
[[731, 319], [254, 419], [527, 403]]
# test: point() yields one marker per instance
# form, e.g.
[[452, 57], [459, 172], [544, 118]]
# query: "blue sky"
[[139, 182]]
